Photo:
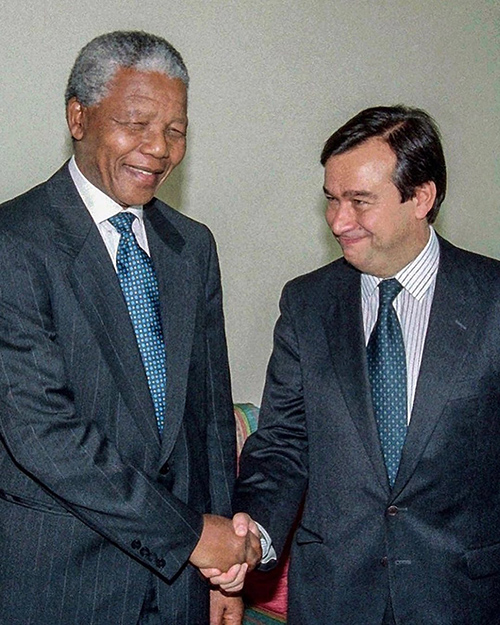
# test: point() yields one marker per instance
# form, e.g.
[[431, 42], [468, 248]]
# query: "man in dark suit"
[[117, 430], [384, 419]]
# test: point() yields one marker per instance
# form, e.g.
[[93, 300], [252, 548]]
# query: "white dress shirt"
[[101, 207]]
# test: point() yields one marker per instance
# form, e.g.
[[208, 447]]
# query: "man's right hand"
[[232, 580], [223, 545]]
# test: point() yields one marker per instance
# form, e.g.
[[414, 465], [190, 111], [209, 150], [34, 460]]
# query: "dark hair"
[[414, 138], [101, 58]]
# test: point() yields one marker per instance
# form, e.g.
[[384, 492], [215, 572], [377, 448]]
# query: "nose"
[[155, 143], [340, 217]]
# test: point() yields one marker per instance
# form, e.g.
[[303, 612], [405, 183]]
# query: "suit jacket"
[[432, 543], [92, 503]]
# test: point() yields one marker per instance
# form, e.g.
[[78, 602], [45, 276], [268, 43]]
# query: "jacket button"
[[384, 561], [145, 553], [392, 510], [160, 563], [136, 544], [165, 469]]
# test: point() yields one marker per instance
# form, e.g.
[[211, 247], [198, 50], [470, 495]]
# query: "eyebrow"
[[133, 111], [352, 193], [129, 113]]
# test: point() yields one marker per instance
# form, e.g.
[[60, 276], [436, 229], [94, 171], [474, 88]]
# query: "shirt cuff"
[[266, 544]]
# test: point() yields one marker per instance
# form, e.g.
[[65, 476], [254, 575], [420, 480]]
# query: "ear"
[[424, 198], [75, 116]]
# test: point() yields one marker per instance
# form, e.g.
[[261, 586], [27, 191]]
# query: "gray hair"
[[101, 58]]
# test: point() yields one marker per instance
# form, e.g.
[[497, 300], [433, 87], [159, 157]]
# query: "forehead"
[[371, 162], [133, 87]]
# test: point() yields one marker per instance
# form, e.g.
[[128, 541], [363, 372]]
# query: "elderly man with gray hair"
[[117, 443]]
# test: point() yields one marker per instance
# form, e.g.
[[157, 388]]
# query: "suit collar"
[[348, 353], [163, 227], [453, 323], [178, 283], [96, 287], [97, 291], [72, 220]]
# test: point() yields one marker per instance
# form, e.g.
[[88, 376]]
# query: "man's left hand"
[[225, 609]]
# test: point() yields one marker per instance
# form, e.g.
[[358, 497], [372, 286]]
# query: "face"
[[129, 143], [378, 233]]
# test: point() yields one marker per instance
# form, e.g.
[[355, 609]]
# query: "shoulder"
[[482, 270], [185, 236], [329, 278], [193, 233], [32, 212], [24, 225], [24, 205]]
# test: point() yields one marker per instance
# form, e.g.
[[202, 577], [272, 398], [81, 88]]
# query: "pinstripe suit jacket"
[[92, 503], [432, 542]]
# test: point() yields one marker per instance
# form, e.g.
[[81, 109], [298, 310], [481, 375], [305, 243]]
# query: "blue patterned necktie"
[[140, 289], [387, 372]]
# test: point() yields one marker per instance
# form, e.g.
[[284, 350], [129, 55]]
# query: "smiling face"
[[378, 233], [128, 143]]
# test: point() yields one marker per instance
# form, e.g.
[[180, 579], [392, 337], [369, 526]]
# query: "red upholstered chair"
[[265, 593]]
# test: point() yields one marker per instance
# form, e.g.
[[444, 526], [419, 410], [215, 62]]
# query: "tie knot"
[[389, 289], [123, 222]]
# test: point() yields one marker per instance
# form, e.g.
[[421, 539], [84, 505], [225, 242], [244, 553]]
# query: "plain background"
[[270, 81]]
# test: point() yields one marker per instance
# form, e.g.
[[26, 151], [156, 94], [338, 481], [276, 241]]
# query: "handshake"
[[227, 549]]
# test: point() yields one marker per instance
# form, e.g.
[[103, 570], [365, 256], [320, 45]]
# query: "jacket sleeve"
[[274, 463], [221, 431]]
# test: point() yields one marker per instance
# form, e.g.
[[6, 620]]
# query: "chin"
[[354, 259], [136, 200]]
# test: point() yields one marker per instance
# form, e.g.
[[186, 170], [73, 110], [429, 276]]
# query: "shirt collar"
[[416, 277], [100, 206]]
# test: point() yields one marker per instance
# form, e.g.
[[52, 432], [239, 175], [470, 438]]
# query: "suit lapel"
[[178, 296], [344, 328], [452, 326], [97, 290]]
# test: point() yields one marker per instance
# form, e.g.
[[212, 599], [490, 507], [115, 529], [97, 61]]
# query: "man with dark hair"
[[381, 409], [413, 137], [117, 449]]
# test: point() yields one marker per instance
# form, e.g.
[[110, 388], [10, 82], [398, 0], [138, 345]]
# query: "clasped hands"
[[227, 549]]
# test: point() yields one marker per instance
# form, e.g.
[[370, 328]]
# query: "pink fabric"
[[267, 590]]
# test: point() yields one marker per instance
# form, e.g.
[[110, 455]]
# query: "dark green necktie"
[[387, 372]]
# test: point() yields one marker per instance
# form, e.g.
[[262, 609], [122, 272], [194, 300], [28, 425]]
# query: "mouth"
[[145, 174], [347, 241]]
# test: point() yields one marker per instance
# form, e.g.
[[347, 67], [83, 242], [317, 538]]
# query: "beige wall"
[[271, 79]]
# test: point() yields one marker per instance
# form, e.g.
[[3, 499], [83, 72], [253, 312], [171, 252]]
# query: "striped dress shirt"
[[412, 305]]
